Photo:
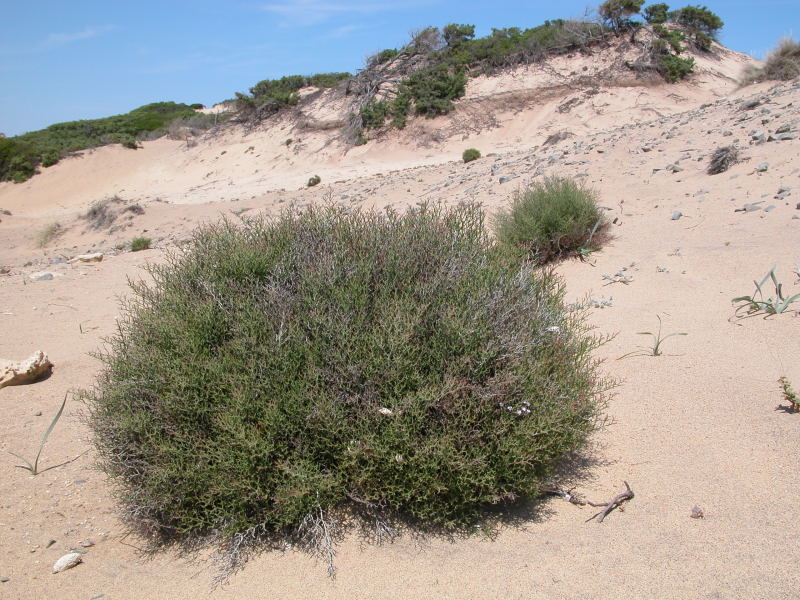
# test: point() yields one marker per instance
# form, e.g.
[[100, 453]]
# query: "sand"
[[697, 426]]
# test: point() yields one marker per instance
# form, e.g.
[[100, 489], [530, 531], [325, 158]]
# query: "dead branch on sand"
[[615, 502]]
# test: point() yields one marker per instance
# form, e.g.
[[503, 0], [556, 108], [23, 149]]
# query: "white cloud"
[[60, 39]]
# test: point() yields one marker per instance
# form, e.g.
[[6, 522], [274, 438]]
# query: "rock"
[[751, 207], [785, 128], [762, 168], [67, 561], [769, 208], [5, 212], [676, 215], [727, 133], [41, 276], [759, 137], [25, 371], [674, 168], [785, 137], [86, 544], [505, 179], [4, 579], [93, 257], [697, 513]]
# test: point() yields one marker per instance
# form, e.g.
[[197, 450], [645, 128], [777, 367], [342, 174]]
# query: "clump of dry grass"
[[781, 64], [101, 213], [48, 234], [723, 159]]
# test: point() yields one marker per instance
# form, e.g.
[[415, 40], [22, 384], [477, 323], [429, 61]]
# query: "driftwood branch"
[[615, 502]]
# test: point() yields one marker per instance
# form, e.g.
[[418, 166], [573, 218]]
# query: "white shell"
[[67, 562], [385, 411]]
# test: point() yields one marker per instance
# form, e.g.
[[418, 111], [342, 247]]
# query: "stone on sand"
[[24, 371]]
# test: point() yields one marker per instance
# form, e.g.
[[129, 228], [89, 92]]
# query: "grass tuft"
[[655, 348], [33, 468], [140, 243], [279, 371], [757, 304], [48, 234], [552, 219]]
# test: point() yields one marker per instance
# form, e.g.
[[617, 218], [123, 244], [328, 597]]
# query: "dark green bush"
[[315, 180], [701, 24], [672, 37], [373, 115], [433, 89], [552, 219], [323, 360], [618, 12], [455, 34], [140, 243], [381, 57], [674, 68], [327, 80], [656, 13], [470, 154]]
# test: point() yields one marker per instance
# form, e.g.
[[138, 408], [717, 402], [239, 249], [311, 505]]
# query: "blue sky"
[[62, 60]]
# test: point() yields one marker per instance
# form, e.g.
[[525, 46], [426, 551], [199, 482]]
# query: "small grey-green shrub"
[[140, 243], [470, 154], [315, 180], [552, 219], [284, 372]]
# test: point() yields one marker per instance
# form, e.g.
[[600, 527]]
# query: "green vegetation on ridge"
[[20, 156]]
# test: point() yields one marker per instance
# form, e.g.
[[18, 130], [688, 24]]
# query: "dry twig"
[[615, 502]]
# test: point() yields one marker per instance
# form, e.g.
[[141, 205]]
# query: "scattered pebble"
[[676, 215], [697, 513]]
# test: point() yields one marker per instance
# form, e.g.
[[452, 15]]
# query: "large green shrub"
[[325, 359], [552, 218]]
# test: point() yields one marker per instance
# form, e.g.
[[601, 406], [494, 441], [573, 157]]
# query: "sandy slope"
[[697, 426]]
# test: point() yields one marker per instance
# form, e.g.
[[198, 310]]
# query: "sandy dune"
[[697, 426]]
